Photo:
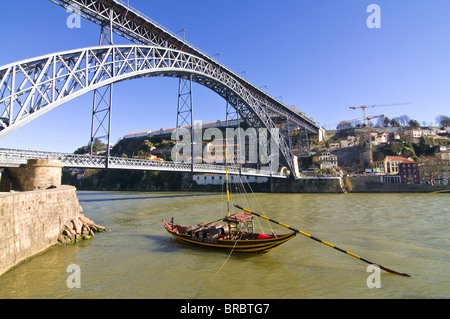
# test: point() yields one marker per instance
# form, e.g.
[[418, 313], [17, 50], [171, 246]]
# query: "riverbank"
[[373, 184], [141, 181]]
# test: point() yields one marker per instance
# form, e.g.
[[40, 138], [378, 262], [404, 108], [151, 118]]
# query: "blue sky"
[[317, 55]]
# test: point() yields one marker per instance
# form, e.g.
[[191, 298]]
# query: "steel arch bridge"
[[30, 88]]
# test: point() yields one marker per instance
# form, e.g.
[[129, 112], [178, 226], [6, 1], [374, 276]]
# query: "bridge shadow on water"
[[139, 198]]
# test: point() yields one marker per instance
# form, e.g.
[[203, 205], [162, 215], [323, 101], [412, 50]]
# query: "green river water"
[[137, 258]]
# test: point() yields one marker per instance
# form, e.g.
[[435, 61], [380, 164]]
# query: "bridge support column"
[[37, 174], [185, 113], [103, 99]]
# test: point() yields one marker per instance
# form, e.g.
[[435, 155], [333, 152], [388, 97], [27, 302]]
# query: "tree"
[[147, 147], [443, 120], [384, 121], [395, 123], [432, 168], [402, 120], [97, 147], [344, 125], [413, 123]]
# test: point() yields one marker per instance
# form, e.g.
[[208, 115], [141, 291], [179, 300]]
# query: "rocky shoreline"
[[79, 229]]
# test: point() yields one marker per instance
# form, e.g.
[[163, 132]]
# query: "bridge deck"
[[15, 158]]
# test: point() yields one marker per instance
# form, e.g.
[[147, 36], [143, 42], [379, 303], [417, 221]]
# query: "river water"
[[137, 258]]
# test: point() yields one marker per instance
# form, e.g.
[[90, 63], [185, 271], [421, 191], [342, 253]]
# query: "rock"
[[86, 220], [85, 230], [96, 228], [86, 233], [62, 240], [78, 229], [101, 229], [77, 226], [69, 231], [67, 235]]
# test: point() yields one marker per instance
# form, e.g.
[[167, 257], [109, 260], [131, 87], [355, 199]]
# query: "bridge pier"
[[37, 174]]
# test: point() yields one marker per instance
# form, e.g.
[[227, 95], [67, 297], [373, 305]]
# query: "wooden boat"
[[235, 233]]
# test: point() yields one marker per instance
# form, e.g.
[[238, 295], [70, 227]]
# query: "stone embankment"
[[31, 222], [37, 212], [326, 185], [374, 184]]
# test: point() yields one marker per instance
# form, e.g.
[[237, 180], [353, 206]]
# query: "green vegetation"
[[139, 146], [398, 148], [98, 147], [115, 180], [427, 147]]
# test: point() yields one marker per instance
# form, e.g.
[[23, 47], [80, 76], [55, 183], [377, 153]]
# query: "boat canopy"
[[238, 218]]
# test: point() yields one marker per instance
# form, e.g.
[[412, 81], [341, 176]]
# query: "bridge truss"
[[30, 88], [16, 158]]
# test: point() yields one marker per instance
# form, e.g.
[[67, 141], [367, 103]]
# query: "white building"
[[213, 179], [327, 160]]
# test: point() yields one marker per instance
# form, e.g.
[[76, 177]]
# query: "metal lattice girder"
[[185, 110], [16, 158], [30, 88], [138, 28], [103, 100]]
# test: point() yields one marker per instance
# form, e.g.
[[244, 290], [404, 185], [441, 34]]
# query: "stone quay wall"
[[31, 222], [373, 184], [308, 185], [37, 212]]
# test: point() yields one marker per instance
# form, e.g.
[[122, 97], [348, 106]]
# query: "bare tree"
[[403, 120], [443, 120]]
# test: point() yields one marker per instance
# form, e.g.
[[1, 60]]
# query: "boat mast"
[[226, 173]]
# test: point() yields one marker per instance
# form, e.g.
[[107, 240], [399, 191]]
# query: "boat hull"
[[245, 246]]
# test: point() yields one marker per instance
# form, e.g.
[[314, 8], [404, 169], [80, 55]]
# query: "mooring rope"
[[226, 260]]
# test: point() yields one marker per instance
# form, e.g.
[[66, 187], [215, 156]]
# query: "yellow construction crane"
[[369, 126], [369, 118], [373, 106]]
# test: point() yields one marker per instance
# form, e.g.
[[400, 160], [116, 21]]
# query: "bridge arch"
[[30, 88]]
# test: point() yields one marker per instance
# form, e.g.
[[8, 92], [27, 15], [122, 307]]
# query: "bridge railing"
[[12, 157]]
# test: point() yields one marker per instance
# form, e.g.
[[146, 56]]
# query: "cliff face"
[[120, 180]]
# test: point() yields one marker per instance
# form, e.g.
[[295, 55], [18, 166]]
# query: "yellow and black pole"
[[228, 189], [322, 242]]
